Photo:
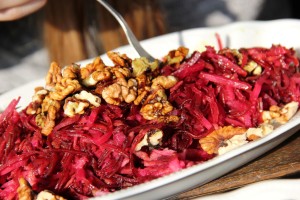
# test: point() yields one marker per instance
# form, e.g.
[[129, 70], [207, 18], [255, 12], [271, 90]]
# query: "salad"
[[95, 129]]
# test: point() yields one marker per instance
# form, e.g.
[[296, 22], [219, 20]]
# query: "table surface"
[[281, 162]]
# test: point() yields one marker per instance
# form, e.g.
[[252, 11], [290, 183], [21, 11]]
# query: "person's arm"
[[16, 9]]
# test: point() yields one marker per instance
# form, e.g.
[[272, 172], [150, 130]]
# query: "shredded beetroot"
[[221, 93], [94, 153]]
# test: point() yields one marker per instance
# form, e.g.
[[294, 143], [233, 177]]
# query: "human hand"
[[15, 9]]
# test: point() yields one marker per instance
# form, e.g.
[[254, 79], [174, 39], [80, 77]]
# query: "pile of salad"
[[95, 129]]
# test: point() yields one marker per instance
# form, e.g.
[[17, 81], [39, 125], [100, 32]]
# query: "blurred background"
[[71, 30]]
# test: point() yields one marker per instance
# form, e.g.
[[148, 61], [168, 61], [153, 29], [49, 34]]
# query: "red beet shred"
[[93, 154]]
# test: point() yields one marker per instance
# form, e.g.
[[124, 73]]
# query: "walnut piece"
[[64, 88], [142, 65], [79, 102], [37, 99], [156, 107], [54, 75], [96, 65], [176, 56], [129, 91], [113, 94], [24, 190], [94, 72], [259, 132], [232, 143], [72, 107], [164, 81], [143, 83], [46, 118], [253, 68], [96, 77], [121, 72], [87, 96], [213, 141], [71, 71], [47, 102], [277, 115], [120, 91], [47, 195], [119, 59], [152, 138]]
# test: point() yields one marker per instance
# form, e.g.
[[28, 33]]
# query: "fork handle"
[[128, 32]]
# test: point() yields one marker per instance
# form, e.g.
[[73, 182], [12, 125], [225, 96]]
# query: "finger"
[[5, 4], [22, 10]]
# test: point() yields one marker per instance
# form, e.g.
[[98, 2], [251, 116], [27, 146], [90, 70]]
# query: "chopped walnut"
[[143, 83], [155, 110], [120, 91], [46, 118], [71, 71], [142, 65], [66, 87], [79, 102], [47, 195], [94, 73], [253, 68], [112, 94], [213, 141], [87, 96], [37, 99], [72, 106], [142, 93], [121, 72], [96, 77], [176, 56], [152, 138], [54, 75], [119, 59], [280, 115], [156, 107], [96, 65], [24, 190], [259, 132], [129, 91], [232, 143], [164, 81]]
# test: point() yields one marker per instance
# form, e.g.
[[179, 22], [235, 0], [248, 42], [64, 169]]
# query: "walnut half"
[[151, 138], [280, 115], [213, 141], [157, 107]]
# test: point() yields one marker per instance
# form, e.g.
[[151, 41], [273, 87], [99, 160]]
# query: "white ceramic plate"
[[245, 34]]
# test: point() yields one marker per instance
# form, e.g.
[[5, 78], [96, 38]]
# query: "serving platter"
[[243, 34]]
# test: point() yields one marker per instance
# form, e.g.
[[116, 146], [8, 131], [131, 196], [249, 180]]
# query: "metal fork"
[[128, 32]]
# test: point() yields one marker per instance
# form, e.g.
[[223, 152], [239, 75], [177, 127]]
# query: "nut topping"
[[157, 107], [163, 81], [253, 68], [280, 115], [152, 138], [118, 59], [47, 195], [24, 190], [213, 141], [176, 56]]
